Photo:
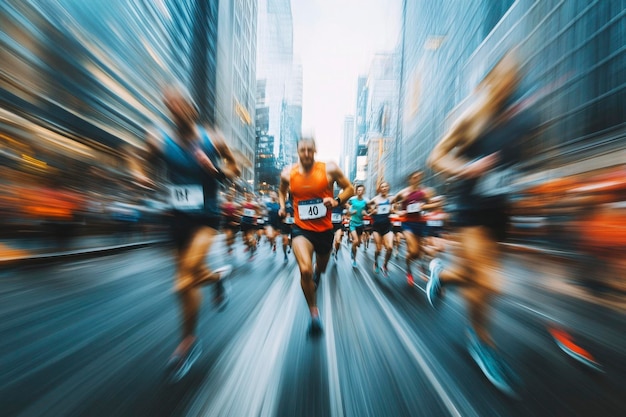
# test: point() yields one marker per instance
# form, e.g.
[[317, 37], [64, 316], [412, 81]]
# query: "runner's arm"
[[229, 168], [342, 181], [283, 188]]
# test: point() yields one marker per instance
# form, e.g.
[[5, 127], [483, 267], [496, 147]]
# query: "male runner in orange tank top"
[[310, 184]]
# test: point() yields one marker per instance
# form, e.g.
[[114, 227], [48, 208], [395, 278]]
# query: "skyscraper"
[[280, 74]]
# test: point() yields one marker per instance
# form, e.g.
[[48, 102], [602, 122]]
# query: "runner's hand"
[[330, 202], [282, 212], [480, 166]]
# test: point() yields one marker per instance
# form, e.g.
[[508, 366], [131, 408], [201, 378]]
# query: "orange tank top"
[[308, 192]]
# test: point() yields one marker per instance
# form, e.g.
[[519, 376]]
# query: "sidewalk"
[[26, 251]]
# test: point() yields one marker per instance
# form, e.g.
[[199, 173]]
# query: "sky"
[[336, 39]]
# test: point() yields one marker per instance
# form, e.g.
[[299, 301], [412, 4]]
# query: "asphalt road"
[[90, 337]]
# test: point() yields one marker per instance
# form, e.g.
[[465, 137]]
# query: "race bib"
[[384, 209], [336, 218], [289, 220], [397, 223], [249, 212], [495, 182], [187, 197], [414, 208], [366, 222], [434, 223], [260, 221], [311, 209]]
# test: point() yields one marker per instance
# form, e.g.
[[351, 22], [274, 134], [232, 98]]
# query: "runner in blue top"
[[357, 208], [272, 228], [195, 158]]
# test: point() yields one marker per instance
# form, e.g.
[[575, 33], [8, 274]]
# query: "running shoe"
[[385, 271], [566, 343], [286, 260], [409, 279], [376, 269], [179, 365], [315, 328], [433, 288], [274, 248], [354, 265], [491, 364]]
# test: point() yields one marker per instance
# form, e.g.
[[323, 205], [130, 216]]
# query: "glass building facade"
[[573, 61]]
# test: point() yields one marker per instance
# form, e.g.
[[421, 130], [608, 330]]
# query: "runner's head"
[[273, 196], [383, 188], [181, 106], [249, 196], [306, 152], [360, 189], [230, 196], [415, 178]]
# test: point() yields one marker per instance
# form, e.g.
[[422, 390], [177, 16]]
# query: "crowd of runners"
[[317, 212]]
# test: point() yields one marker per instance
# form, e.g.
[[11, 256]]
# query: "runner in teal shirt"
[[357, 206]]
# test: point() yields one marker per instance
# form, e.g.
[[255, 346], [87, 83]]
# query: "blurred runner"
[[413, 200], [383, 235], [273, 225], [337, 219], [480, 152], [230, 214], [250, 214], [356, 208], [285, 229], [196, 158], [311, 186]]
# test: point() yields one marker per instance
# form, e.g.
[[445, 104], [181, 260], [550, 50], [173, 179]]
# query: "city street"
[[90, 337]]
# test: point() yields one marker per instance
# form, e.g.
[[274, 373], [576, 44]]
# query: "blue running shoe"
[[315, 328], [286, 260], [354, 265], [179, 366], [491, 364], [376, 269], [433, 288]]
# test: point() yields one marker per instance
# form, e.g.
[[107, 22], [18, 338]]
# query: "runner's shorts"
[[358, 229], [382, 228], [417, 228], [322, 241]]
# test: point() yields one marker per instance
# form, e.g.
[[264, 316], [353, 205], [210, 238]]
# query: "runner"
[[414, 200], [273, 225], [230, 220], [479, 153], [192, 155], [357, 205], [383, 235], [311, 186], [337, 219], [368, 229], [396, 227], [250, 215], [285, 228]]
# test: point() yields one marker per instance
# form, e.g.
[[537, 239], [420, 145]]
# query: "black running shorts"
[[322, 241]]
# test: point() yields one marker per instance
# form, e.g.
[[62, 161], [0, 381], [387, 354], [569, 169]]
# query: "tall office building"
[[89, 85], [382, 105], [347, 150], [572, 60], [359, 144], [236, 76], [281, 75]]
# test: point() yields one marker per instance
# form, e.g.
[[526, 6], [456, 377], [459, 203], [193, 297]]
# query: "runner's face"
[[384, 189], [415, 179], [360, 191], [306, 153]]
